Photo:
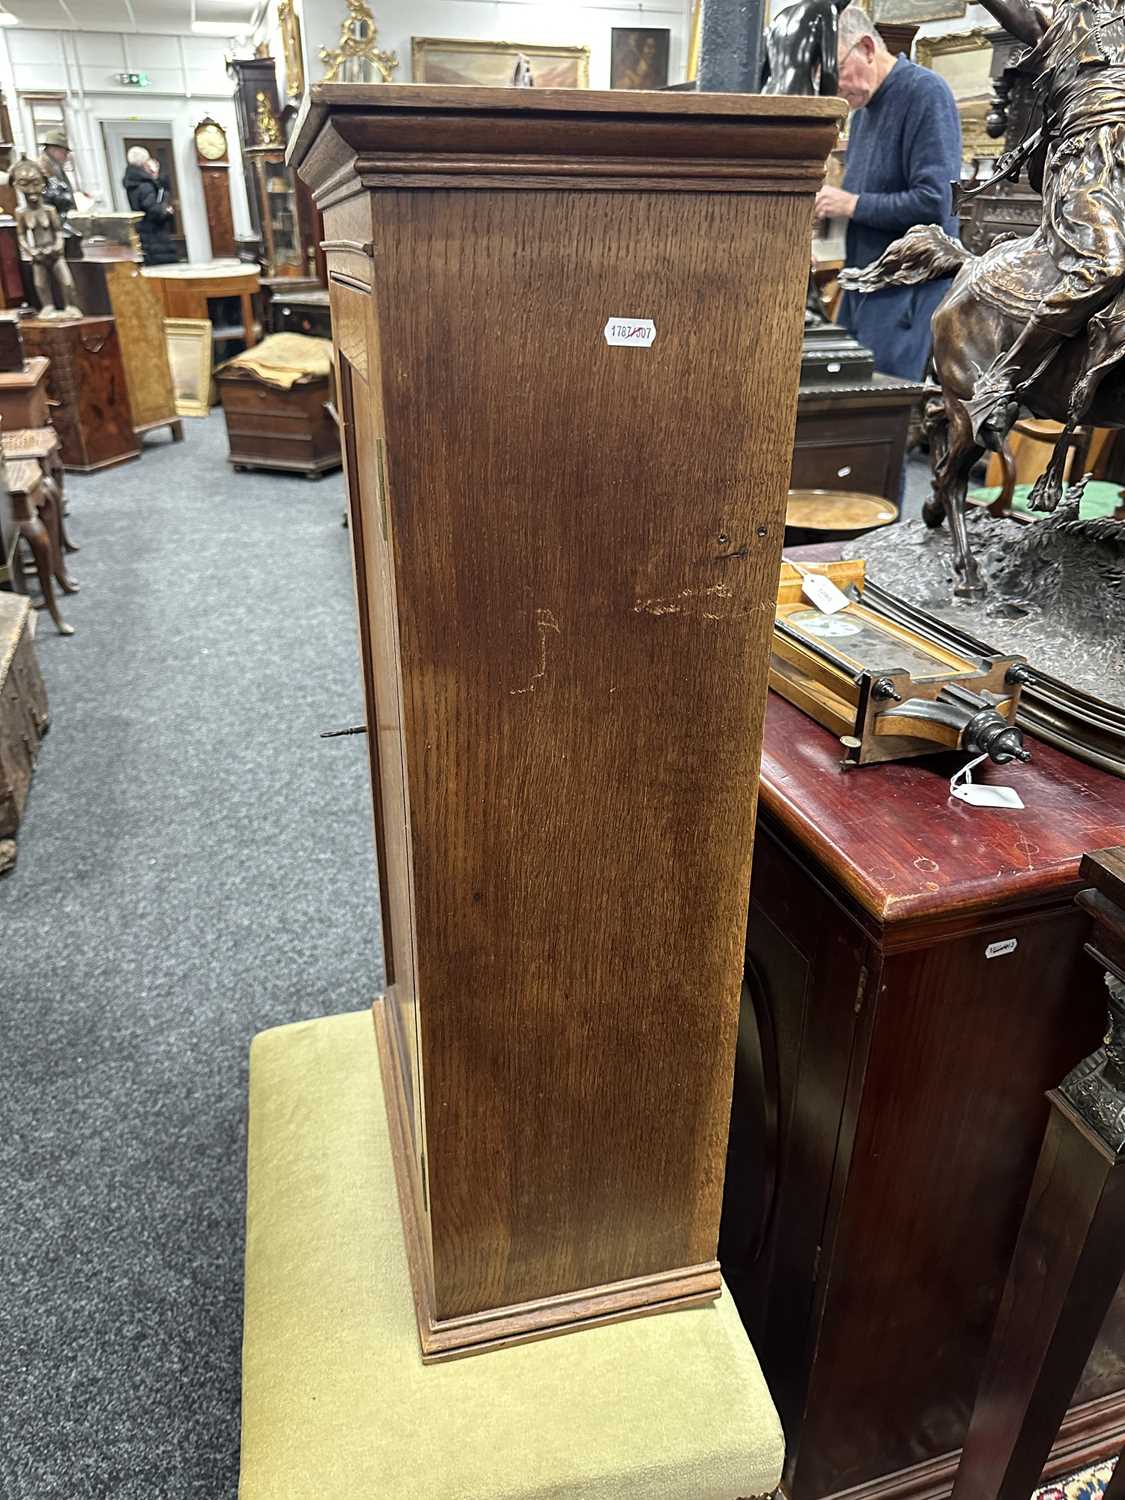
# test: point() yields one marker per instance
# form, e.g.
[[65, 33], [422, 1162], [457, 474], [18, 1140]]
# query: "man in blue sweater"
[[904, 154]]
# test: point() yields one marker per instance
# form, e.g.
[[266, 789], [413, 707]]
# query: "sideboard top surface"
[[541, 121], [908, 852]]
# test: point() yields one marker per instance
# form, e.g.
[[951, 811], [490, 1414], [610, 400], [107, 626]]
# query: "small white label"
[[964, 789], [633, 333], [989, 796], [998, 950], [834, 367], [823, 593]]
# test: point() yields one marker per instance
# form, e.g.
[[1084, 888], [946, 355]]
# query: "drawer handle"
[[361, 247], [835, 367]]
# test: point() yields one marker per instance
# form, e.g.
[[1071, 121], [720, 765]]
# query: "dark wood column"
[[1070, 1254]]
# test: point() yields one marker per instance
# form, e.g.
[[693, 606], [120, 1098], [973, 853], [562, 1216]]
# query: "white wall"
[[187, 80], [566, 22]]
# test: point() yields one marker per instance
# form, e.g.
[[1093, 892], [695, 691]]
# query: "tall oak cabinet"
[[567, 331]]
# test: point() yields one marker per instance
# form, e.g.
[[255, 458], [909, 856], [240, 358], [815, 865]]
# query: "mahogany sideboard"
[[87, 389], [554, 312], [915, 982]]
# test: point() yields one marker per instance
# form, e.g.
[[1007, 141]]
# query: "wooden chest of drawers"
[[272, 428], [86, 384], [302, 312], [853, 437]]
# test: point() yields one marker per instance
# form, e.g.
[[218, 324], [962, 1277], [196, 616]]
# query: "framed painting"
[[438, 59], [964, 60], [638, 57], [914, 12], [189, 356]]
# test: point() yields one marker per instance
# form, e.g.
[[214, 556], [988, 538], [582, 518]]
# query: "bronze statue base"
[[1056, 595]]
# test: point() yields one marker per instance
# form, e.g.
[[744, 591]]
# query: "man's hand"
[[834, 203]]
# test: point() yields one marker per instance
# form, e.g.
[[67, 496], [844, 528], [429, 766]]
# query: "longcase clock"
[[214, 167]]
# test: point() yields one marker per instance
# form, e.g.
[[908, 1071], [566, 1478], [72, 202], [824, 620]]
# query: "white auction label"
[[998, 950], [634, 333]]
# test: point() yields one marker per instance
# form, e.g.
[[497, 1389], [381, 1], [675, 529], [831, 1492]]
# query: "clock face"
[[210, 141]]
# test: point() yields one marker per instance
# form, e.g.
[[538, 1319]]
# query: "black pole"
[[730, 50]]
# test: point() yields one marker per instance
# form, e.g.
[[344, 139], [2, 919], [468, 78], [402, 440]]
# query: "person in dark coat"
[[148, 194], [904, 154]]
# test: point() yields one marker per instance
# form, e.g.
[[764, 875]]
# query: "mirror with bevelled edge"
[[568, 330]]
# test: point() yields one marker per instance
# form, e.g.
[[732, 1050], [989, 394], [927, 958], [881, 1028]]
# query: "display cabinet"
[[282, 252], [567, 498]]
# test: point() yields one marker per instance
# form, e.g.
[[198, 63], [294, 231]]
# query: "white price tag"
[[823, 593], [962, 787], [632, 333], [1001, 950]]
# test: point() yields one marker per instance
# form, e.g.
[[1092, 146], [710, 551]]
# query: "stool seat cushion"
[[336, 1402]]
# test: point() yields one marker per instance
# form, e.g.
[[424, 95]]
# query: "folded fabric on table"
[[284, 358]]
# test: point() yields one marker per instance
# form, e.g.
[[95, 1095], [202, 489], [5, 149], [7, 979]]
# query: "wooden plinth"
[[566, 554], [452, 1338]]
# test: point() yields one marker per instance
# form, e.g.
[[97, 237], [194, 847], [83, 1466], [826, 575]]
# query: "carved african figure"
[[801, 49], [1038, 322], [41, 239]]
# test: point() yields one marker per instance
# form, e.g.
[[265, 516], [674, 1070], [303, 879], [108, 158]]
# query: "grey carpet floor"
[[195, 865]]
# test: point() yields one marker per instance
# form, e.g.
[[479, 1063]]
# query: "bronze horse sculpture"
[[1038, 323]]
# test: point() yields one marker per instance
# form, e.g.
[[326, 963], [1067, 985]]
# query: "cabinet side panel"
[[369, 519], [587, 544]]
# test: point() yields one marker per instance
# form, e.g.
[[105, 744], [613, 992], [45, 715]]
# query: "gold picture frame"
[[483, 64], [290, 25], [964, 60], [190, 359]]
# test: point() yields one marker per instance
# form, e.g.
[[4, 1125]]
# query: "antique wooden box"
[[271, 428], [915, 982], [555, 314], [86, 381], [23, 394]]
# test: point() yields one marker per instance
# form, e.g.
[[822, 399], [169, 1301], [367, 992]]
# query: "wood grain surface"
[[584, 666]]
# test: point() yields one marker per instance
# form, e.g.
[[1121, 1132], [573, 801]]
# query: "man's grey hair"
[[136, 156], [853, 24]]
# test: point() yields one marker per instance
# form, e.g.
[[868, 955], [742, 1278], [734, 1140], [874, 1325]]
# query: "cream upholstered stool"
[[336, 1403]]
